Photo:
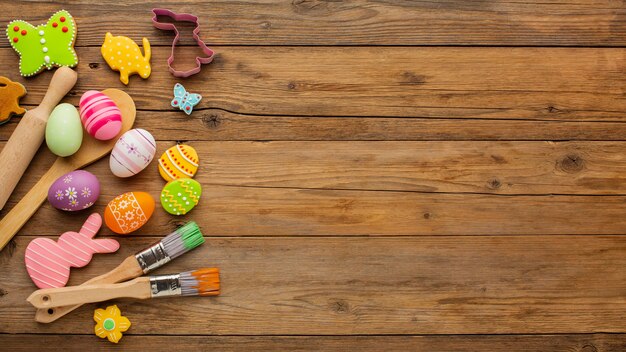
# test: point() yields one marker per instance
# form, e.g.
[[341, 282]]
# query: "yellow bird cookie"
[[123, 55]]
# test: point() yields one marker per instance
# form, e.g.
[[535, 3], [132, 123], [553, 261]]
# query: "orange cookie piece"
[[128, 212], [10, 94]]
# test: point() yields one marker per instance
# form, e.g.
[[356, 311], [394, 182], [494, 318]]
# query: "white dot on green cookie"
[[170, 205], [45, 49], [46, 58], [179, 194], [42, 40], [184, 198], [41, 33], [187, 203]]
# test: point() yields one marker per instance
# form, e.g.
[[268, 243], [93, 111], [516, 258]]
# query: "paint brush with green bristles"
[[171, 247]]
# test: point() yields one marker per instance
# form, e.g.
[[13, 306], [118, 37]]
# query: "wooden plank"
[[318, 22], [449, 343], [219, 125], [514, 168], [251, 211], [495, 83], [339, 286], [382, 188]]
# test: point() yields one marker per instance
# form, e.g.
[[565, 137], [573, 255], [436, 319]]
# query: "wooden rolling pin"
[[29, 133]]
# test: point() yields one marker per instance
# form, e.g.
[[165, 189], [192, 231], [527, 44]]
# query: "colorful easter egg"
[[128, 212], [76, 190], [132, 153], [177, 162], [64, 132], [100, 115], [178, 197]]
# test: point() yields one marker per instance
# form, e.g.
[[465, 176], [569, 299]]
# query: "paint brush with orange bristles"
[[179, 242], [201, 282]]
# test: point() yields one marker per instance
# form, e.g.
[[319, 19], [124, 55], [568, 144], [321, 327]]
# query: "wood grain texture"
[[219, 125], [449, 343], [506, 168], [381, 188], [343, 286], [404, 197], [355, 22], [496, 83]]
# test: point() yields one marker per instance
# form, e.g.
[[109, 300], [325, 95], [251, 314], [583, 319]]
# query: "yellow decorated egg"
[[128, 212], [180, 161]]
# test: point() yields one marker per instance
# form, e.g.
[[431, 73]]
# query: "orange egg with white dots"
[[179, 161]]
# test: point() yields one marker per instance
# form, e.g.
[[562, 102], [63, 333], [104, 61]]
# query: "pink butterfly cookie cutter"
[[182, 17]]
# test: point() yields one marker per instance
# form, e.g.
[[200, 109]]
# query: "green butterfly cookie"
[[48, 45]]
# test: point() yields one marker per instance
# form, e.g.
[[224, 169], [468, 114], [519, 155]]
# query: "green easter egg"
[[64, 131], [180, 196]]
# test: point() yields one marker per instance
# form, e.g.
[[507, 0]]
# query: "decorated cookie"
[[45, 46], [110, 323], [123, 55], [183, 100], [10, 94], [132, 153], [76, 190], [178, 197], [128, 212], [100, 115], [64, 132], [179, 161], [48, 262]]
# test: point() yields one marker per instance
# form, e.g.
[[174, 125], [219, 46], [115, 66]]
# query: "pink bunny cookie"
[[48, 262]]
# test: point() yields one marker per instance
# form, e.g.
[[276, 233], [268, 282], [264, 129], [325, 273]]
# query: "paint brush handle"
[[29, 133], [128, 269], [54, 297]]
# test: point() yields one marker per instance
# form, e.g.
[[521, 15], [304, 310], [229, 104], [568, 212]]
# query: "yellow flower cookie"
[[110, 323], [123, 55]]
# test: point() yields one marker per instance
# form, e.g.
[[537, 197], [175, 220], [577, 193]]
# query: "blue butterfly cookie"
[[183, 100]]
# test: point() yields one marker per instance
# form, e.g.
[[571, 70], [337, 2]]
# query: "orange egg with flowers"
[[128, 212]]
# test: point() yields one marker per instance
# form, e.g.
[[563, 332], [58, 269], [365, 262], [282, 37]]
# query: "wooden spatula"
[[90, 151]]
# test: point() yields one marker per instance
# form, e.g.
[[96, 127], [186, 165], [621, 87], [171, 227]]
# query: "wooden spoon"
[[90, 151]]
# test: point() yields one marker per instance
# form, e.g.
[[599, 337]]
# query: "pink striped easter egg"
[[100, 115], [132, 153]]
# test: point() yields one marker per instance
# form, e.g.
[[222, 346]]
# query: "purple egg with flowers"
[[76, 190]]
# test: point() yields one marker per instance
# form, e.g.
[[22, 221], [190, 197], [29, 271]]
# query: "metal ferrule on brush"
[[165, 285], [152, 257]]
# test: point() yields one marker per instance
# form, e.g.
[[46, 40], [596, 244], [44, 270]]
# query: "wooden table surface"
[[378, 175]]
